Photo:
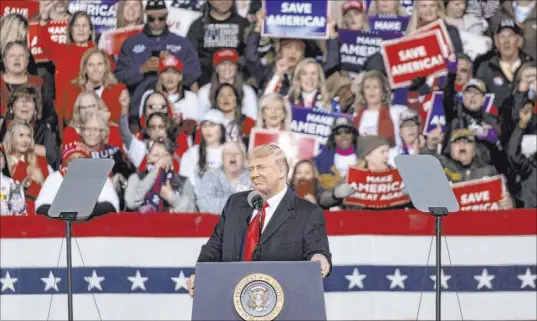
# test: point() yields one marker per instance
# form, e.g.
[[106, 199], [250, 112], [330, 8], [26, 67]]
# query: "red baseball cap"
[[170, 61], [352, 4], [225, 55]]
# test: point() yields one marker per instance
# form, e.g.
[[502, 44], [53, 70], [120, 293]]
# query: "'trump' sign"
[[301, 19]]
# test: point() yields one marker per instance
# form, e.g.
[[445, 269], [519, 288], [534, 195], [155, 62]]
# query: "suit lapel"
[[281, 214], [241, 225]]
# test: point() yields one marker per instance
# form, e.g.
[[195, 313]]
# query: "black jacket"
[[295, 232], [526, 167]]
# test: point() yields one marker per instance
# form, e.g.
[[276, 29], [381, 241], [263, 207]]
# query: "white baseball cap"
[[214, 116]]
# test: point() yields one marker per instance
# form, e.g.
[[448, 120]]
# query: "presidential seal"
[[258, 297]]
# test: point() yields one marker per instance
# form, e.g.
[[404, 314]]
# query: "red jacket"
[[31, 193], [70, 135], [33, 81], [110, 96]]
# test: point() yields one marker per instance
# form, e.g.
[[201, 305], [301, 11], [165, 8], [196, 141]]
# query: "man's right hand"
[[344, 190], [190, 284], [149, 65]]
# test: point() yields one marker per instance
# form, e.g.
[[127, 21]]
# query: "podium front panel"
[[218, 291]]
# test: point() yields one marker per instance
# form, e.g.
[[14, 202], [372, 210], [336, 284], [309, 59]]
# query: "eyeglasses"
[[342, 131], [156, 106], [151, 18], [82, 107], [153, 127], [93, 130]]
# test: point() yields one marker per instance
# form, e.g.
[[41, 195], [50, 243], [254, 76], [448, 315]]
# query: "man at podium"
[[291, 229]]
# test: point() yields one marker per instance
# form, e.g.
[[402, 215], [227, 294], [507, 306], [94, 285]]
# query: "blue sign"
[[388, 23], [435, 114], [357, 46], [312, 122], [488, 106], [300, 19], [102, 12]]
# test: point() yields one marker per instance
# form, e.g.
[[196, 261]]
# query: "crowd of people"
[[176, 113]]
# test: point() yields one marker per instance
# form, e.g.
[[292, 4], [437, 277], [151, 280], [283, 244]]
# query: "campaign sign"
[[357, 46], [26, 8], [479, 195], [475, 45], [297, 147], [316, 123], [376, 189], [412, 57], [102, 12], [388, 23], [441, 27], [433, 108], [488, 104], [112, 40], [300, 19], [179, 20], [58, 34]]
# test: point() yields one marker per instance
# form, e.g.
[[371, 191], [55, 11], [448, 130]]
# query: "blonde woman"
[[274, 113], [14, 28], [95, 74], [386, 7], [354, 16], [308, 88], [375, 115], [23, 165], [427, 11], [88, 102], [129, 13]]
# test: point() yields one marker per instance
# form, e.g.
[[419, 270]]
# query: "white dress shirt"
[[273, 203]]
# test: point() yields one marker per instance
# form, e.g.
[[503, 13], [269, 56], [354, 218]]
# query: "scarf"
[[152, 202], [316, 103], [384, 126]]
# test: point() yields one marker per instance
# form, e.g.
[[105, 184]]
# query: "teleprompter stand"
[[430, 192], [75, 201]]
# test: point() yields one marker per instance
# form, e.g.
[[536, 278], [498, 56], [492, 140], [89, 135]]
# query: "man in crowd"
[[498, 72], [139, 57], [304, 235], [217, 186]]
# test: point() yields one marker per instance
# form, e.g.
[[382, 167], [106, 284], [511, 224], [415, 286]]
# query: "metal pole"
[[438, 267], [69, 271]]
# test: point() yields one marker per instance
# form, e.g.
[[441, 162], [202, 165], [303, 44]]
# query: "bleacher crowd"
[[176, 113]]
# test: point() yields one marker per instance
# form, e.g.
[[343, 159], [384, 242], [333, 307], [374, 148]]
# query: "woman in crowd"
[[354, 17], [457, 17], [80, 37], [88, 102], [12, 201], [386, 7], [184, 103], [159, 188], [228, 101], [94, 74], [14, 28], [338, 155], [24, 104], [208, 153], [15, 61], [308, 88], [107, 202], [375, 114], [274, 113], [129, 13], [24, 166], [226, 70], [304, 181]]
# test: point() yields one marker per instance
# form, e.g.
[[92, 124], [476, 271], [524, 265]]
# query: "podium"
[[258, 291]]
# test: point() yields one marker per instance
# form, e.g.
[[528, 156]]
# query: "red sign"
[[480, 195], [296, 146], [440, 26], [57, 31], [112, 40], [27, 8], [408, 58], [376, 189]]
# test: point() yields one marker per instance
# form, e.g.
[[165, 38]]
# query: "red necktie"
[[252, 236]]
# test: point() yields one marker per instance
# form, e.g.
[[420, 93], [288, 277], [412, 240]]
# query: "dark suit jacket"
[[295, 232]]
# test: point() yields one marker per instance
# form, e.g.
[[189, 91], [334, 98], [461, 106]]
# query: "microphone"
[[256, 200]]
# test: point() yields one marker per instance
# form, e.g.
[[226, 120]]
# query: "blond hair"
[[76, 120], [414, 22], [386, 98], [272, 151], [269, 99], [365, 22], [13, 28], [120, 20], [108, 80], [296, 90], [9, 146], [372, 9]]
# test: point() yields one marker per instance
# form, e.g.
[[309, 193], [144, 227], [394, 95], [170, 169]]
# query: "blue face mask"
[[531, 93]]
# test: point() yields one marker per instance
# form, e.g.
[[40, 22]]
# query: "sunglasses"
[[151, 18], [342, 131]]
